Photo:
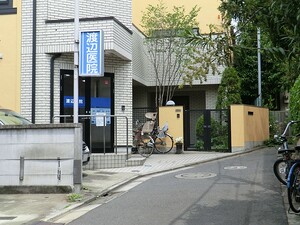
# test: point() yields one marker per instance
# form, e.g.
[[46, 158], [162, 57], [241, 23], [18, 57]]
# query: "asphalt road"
[[235, 191]]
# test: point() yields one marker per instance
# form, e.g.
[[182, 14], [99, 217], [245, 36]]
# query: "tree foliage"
[[245, 63], [279, 20], [229, 89], [210, 54], [294, 104], [167, 49]]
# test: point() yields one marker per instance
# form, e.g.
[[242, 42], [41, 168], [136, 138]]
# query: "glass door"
[[101, 105], [95, 96]]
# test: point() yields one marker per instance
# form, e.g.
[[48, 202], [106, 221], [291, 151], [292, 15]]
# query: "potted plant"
[[179, 145]]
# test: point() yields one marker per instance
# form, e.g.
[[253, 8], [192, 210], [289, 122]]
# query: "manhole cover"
[[235, 167], [202, 175]]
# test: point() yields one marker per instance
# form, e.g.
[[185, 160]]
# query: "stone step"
[[135, 161]]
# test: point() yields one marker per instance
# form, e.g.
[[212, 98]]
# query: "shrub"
[[219, 134]]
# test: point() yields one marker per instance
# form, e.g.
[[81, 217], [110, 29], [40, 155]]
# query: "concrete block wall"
[[41, 155]]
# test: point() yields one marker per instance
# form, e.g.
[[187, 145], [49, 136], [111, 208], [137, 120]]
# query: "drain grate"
[[201, 175], [235, 167]]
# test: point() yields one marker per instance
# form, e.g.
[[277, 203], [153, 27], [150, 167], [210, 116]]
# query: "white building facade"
[[47, 65]]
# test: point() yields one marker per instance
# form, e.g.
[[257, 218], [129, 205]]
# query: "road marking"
[[235, 167]]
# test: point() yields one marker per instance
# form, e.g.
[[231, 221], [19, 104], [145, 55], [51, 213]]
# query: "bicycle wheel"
[[294, 188], [145, 147], [165, 144], [280, 170]]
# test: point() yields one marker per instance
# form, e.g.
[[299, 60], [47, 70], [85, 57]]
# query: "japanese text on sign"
[[91, 54]]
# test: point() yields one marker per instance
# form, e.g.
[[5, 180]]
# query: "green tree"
[[294, 104], [211, 53], [166, 46], [229, 89], [246, 65], [279, 20]]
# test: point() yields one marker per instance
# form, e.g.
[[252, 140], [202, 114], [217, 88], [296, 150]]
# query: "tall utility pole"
[[259, 99], [76, 61]]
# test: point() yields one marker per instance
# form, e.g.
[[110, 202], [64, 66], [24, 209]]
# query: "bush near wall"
[[219, 135]]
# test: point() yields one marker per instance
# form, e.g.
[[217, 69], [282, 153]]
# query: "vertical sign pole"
[[259, 102], [76, 59]]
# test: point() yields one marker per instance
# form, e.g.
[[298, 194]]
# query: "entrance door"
[[95, 96]]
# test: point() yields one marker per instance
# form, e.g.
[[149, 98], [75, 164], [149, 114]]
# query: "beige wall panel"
[[173, 115], [249, 126], [10, 42], [209, 13]]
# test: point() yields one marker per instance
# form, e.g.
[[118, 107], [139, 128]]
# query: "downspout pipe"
[[52, 60], [33, 84]]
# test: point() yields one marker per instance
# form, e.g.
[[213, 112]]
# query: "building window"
[[6, 7], [4, 2]]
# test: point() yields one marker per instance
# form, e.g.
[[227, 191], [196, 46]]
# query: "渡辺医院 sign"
[[91, 53]]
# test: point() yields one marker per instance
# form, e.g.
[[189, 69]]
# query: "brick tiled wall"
[[58, 37]]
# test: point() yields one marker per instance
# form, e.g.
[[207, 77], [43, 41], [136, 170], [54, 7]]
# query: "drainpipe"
[[33, 60], [55, 56]]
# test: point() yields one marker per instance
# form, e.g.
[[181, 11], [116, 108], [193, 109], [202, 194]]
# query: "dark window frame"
[[6, 7], [5, 2]]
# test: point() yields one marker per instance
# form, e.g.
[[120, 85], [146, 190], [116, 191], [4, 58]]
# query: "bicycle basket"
[[165, 127], [161, 134], [148, 127], [151, 115]]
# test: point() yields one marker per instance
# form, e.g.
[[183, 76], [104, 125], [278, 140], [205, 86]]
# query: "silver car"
[[9, 117]]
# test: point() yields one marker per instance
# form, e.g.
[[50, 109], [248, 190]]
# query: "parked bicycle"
[[293, 184], [287, 169], [148, 137], [283, 164]]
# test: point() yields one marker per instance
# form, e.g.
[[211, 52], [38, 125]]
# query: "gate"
[[207, 130], [204, 130]]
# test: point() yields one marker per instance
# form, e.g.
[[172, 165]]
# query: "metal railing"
[[104, 125]]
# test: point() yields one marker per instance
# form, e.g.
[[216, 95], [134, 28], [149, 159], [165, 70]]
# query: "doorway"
[[95, 95]]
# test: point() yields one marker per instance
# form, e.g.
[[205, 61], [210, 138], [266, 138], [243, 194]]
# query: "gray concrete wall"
[[41, 155]]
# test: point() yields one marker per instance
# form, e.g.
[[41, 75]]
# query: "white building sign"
[[91, 54]]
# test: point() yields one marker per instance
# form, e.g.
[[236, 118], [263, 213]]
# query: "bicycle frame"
[[289, 180]]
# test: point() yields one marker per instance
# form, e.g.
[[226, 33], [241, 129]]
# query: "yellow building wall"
[[173, 115], [10, 64], [249, 126], [209, 13], [237, 125]]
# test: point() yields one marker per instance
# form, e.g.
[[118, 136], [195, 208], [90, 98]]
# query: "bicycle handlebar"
[[288, 125]]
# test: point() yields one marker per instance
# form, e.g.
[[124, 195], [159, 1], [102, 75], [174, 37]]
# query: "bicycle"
[[283, 164], [293, 184], [149, 137], [142, 142]]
